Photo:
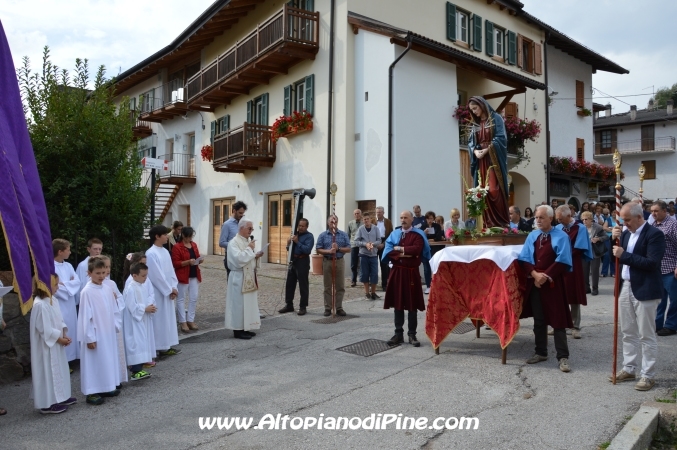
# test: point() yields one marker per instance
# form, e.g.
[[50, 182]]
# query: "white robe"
[[96, 323], [137, 326], [66, 297], [81, 271], [242, 310], [49, 366], [120, 305], [149, 295], [163, 278]]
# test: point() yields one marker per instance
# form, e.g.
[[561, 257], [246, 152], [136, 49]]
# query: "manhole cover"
[[463, 327], [367, 347], [334, 319]]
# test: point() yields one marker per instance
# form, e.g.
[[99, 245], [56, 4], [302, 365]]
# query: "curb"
[[638, 432]]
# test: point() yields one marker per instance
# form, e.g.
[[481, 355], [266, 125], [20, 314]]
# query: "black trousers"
[[541, 329], [354, 262], [298, 272], [412, 322], [385, 269], [225, 264], [136, 368]]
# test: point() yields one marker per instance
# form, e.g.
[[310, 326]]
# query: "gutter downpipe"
[[547, 120], [330, 114], [410, 39]]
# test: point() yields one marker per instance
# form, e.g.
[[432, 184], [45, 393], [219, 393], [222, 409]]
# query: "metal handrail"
[[179, 165], [163, 95], [638, 145]]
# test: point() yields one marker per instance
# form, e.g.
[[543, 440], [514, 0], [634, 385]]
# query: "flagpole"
[[617, 161]]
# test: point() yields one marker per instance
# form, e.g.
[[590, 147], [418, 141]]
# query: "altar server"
[[51, 389], [69, 285], [545, 258], [120, 305], [97, 334], [137, 322], [163, 278], [140, 257], [94, 248]]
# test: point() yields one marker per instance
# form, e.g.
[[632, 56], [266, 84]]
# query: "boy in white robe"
[[94, 248], [165, 289], [51, 389], [97, 333], [137, 320], [69, 285], [120, 305], [242, 306], [140, 257]]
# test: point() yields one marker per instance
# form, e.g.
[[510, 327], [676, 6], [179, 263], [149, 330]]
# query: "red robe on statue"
[[496, 214], [404, 290], [574, 282], [554, 302]]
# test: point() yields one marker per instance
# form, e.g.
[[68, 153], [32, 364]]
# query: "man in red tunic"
[[581, 248], [545, 258], [406, 247]]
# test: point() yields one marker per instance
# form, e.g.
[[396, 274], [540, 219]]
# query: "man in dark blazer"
[[640, 253], [519, 222]]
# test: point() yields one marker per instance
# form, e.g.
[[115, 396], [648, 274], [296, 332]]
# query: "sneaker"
[[551, 331], [327, 313], [286, 309], [576, 334], [375, 296], [95, 399], [69, 402], [536, 359], [54, 409], [564, 365], [149, 365], [396, 340], [353, 284], [367, 296], [623, 376], [113, 393], [340, 312], [644, 384], [666, 332], [413, 341], [140, 375], [302, 312], [427, 291], [171, 352]]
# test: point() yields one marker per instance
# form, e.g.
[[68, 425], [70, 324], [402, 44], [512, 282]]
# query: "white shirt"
[[381, 225], [631, 248]]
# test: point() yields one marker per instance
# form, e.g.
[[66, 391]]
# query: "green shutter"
[[286, 108], [213, 132], [132, 104], [512, 48], [264, 109], [451, 21], [310, 5], [310, 94], [477, 33], [489, 30], [249, 111], [226, 122]]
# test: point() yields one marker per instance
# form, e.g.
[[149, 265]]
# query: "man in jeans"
[[353, 226], [666, 323], [641, 251], [229, 230]]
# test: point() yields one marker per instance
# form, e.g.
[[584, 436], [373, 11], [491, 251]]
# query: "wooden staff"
[[617, 284], [332, 190]]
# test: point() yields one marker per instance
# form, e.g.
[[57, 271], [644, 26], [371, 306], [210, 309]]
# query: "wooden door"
[[280, 224], [647, 138], [220, 213]]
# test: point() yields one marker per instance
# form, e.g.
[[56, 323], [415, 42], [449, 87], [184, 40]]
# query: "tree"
[[89, 169], [664, 94]]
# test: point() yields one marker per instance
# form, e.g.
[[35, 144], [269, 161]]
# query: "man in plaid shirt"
[[666, 323]]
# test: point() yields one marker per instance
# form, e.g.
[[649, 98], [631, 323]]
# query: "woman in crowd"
[[434, 233], [186, 260], [175, 235], [597, 234], [528, 213], [574, 213], [609, 260], [455, 222], [585, 207], [439, 220]]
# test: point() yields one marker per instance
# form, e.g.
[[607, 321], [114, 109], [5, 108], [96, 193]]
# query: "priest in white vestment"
[[242, 306], [165, 289], [69, 285]]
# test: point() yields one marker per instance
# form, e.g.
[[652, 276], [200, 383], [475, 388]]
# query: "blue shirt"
[[228, 231], [304, 245], [420, 223], [324, 241]]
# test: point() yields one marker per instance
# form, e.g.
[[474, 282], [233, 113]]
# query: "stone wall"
[[15, 346]]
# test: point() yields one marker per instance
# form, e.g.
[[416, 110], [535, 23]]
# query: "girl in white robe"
[[51, 384], [165, 287], [69, 285]]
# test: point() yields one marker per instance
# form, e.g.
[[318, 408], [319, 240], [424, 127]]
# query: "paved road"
[[293, 368]]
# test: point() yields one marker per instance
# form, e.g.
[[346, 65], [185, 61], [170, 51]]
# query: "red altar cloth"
[[479, 290]]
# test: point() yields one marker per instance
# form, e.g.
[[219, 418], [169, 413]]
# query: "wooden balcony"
[[288, 37], [164, 102], [244, 148], [140, 128], [664, 144]]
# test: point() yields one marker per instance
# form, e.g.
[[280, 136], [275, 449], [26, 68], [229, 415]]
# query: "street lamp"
[[641, 172]]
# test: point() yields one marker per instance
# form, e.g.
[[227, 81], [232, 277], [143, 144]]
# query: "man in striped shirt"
[[666, 321]]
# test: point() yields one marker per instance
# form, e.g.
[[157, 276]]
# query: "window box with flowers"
[[584, 169], [207, 153], [297, 122]]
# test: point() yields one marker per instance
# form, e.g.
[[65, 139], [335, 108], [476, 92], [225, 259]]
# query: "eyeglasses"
[[250, 229]]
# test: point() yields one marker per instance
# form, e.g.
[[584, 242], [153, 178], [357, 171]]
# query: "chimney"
[[607, 110], [650, 106], [670, 104], [633, 112]]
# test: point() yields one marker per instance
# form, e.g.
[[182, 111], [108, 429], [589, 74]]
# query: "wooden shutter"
[[538, 59], [286, 108], [477, 33], [489, 32], [648, 133], [520, 51], [614, 140], [250, 107], [598, 143], [580, 149], [580, 94], [212, 133], [511, 110], [226, 123], [264, 109], [650, 167], [451, 21], [512, 48], [310, 94]]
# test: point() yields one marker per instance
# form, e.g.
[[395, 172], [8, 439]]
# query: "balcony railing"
[[163, 102], [140, 128], [180, 165], [243, 148], [661, 144], [294, 29]]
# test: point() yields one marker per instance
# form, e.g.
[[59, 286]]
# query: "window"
[[286, 213], [498, 41], [462, 22], [299, 96], [529, 55], [191, 144], [650, 167], [146, 101], [257, 110], [218, 126], [606, 139], [299, 90], [648, 133], [605, 142], [580, 149], [273, 213]]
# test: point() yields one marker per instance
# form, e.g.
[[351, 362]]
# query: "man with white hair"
[[574, 281], [242, 305], [640, 253], [545, 258]]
